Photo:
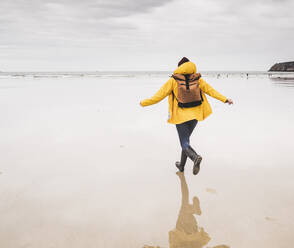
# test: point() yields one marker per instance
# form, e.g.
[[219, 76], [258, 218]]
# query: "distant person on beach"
[[187, 106]]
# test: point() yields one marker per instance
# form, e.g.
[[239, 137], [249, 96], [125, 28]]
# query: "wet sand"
[[83, 165]]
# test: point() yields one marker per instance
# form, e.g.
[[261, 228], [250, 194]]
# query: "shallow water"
[[83, 165]]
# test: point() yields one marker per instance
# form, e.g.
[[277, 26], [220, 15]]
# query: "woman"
[[186, 115]]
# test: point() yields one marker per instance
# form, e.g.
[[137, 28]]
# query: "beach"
[[84, 165]]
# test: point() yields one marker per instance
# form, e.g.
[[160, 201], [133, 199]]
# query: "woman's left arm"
[[206, 88], [163, 92]]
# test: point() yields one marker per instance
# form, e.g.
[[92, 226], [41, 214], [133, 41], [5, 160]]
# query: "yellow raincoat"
[[179, 115]]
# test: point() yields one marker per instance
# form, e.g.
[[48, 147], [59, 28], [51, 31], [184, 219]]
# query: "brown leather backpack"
[[189, 93]]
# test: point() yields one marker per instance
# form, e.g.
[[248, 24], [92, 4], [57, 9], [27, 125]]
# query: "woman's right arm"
[[163, 92]]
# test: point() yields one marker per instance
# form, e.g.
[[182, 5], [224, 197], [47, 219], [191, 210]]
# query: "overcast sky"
[[144, 34]]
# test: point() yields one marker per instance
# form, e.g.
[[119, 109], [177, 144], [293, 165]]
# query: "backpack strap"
[[201, 95], [177, 78], [174, 96], [192, 77]]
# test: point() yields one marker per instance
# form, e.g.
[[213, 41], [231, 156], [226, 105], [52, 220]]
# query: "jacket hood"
[[186, 68]]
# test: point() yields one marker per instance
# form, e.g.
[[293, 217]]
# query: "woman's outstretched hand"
[[229, 101]]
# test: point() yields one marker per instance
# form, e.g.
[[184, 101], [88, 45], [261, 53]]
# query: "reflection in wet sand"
[[187, 233], [212, 191], [285, 82]]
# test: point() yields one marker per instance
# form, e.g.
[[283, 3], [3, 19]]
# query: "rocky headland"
[[285, 66]]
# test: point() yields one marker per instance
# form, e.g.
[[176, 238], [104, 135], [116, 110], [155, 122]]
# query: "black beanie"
[[183, 60]]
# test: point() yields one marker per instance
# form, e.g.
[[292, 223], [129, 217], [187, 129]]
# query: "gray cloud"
[[148, 31], [59, 19]]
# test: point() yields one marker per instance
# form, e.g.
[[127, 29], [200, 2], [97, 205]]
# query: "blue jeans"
[[185, 130]]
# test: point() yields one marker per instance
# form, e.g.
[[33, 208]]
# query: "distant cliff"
[[286, 66]]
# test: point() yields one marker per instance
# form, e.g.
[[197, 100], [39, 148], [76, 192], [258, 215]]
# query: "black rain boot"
[[195, 158], [181, 165]]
